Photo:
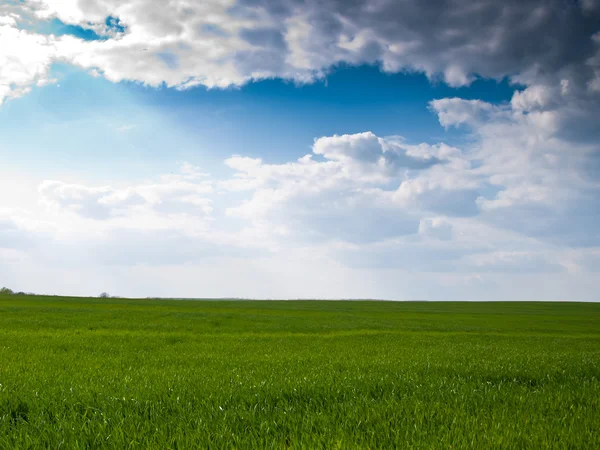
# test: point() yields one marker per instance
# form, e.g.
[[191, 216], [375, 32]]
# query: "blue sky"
[[322, 151], [273, 119]]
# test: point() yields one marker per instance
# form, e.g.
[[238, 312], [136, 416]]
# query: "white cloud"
[[456, 111], [338, 216], [539, 158], [182, 193], [24, 59], [517, 195], [8, 20], [220, 43], [364, 188]]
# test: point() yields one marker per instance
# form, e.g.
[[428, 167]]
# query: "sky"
[[383, 149]]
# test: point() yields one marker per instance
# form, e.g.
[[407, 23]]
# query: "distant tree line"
[[7, 291]]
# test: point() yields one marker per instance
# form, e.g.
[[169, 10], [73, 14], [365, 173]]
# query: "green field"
[[106, 373]]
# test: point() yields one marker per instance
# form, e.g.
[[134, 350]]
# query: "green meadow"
[[83, 373]]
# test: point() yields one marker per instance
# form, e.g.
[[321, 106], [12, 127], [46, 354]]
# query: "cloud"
[[436, 228], [515, 174], [8, 20], [544, 178], [25, 59], [338, 208], [225, 43], [460, 246], [12, 237], [162, 222], [518, 173], [365, 200], [456, 111], [182, 193], [515, 261], [356, 187], [124, 246]]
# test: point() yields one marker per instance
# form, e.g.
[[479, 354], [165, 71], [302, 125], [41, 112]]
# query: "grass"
[[88, 373]]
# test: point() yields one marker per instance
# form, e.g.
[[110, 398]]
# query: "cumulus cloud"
[[456, 111], [519, 173], [516, 174], [364, 188], [222, 43], [365, 200], [24, 59], [544, 179], [343, 205]]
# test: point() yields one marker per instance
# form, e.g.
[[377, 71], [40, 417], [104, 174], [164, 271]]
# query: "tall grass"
[[109, 373]]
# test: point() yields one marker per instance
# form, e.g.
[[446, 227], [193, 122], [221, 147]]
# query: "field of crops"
[[107, 373]]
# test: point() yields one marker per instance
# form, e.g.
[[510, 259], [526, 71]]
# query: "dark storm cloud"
[[452, 40], [484, 37]]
